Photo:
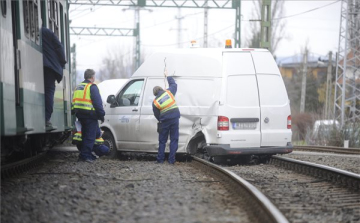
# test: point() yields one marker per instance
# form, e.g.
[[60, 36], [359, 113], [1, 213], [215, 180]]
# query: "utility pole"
[[206, 11], [328, 87], [179, 28], [137, 39], [303, 84]]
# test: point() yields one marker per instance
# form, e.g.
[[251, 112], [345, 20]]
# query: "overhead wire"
[[289, 16]]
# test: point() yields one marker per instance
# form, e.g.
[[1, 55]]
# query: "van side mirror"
[[111, 99]]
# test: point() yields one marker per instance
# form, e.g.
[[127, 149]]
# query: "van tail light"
[[223, 123], [289, 122]]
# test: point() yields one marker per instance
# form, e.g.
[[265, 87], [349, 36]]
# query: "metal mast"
[[207, 4], [347, 90], [265, 32]]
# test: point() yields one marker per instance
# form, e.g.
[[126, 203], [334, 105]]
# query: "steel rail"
[[328, 149], [317, 170], [260, 200], [15, 168]]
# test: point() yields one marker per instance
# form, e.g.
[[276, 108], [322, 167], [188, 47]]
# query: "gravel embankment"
[[64, 190]]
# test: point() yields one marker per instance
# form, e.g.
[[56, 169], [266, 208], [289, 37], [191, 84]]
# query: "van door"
[[274, 102], [240, 101], [125, 115]]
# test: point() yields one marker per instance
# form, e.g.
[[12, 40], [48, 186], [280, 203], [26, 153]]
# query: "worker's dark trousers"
[[167, 126], [99, 150], [89, 127], [49, 86]]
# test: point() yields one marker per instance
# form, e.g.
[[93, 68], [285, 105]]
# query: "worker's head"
[[89, 75], [156, 90]]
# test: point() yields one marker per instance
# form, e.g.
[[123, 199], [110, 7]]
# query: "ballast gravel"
[[64, 190]]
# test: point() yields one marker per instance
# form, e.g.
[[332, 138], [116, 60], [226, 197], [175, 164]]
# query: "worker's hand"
[[165, 72]]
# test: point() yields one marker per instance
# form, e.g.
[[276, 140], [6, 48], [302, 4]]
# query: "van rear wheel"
[[110, 142]]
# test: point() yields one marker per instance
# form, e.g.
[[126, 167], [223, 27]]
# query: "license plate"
[[244, 125]]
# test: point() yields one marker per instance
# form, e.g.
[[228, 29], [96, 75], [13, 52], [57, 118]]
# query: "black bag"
[[159, 127]]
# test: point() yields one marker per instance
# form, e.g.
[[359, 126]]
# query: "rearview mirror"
[[111, 99]]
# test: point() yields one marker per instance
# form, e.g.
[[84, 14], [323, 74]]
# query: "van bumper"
[[225, 150]]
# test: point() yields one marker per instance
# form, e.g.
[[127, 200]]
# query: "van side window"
[[130, 96]]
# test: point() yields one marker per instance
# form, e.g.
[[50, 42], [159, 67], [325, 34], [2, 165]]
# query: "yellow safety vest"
[[77, 138], [165, 102], [81, 100]]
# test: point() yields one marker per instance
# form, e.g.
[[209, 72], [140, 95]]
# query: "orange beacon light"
[[228, 43]]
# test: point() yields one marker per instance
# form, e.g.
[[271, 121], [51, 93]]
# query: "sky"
[[314, 23]]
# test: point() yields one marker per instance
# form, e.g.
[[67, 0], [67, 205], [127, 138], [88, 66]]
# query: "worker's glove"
[[102, 120], [165, 72]]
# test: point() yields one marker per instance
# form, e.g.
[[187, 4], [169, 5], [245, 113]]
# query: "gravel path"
[[108, 191], [345, 162]]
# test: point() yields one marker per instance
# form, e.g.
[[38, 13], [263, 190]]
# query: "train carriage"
[[22, 101]]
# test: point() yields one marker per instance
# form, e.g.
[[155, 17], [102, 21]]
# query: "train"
[[22, 101]]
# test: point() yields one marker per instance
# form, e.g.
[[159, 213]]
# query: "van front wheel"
[[110, 142]]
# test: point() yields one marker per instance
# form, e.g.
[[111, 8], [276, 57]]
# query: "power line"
[[285, 17], [193, 39], [172, 20]]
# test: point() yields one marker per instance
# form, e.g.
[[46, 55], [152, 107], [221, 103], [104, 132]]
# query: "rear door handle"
[[135, 110]]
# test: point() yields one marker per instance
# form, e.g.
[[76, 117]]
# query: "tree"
[[277, 25], [117, 64]]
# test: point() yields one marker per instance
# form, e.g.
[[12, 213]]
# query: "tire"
[[110, 142]]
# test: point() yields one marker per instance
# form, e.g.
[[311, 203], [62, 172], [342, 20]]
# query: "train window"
[[63, 27], [53, 17], [35, 27], [3, 7], [67, 46], [31, 20], [26, 17]]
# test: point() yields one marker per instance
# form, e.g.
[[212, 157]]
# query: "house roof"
[[297, 61]]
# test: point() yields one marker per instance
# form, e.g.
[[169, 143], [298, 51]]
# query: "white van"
[[232, 102]]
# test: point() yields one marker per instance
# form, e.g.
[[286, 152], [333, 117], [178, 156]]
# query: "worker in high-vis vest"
[[88, 108], [99, 148], [167, 113]]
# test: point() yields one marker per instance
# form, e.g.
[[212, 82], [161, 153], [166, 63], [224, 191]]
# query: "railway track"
[[328, 149], [342, 177], [306, 192], [18, 167], [259, 205]]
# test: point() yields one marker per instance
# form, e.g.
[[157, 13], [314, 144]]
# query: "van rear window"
[[272, 89], [242, 91]]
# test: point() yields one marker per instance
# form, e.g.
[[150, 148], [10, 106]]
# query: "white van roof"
[[193, 62]]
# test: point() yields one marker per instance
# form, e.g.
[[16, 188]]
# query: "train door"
[[7, 78], [16, 36], [64, 27]]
